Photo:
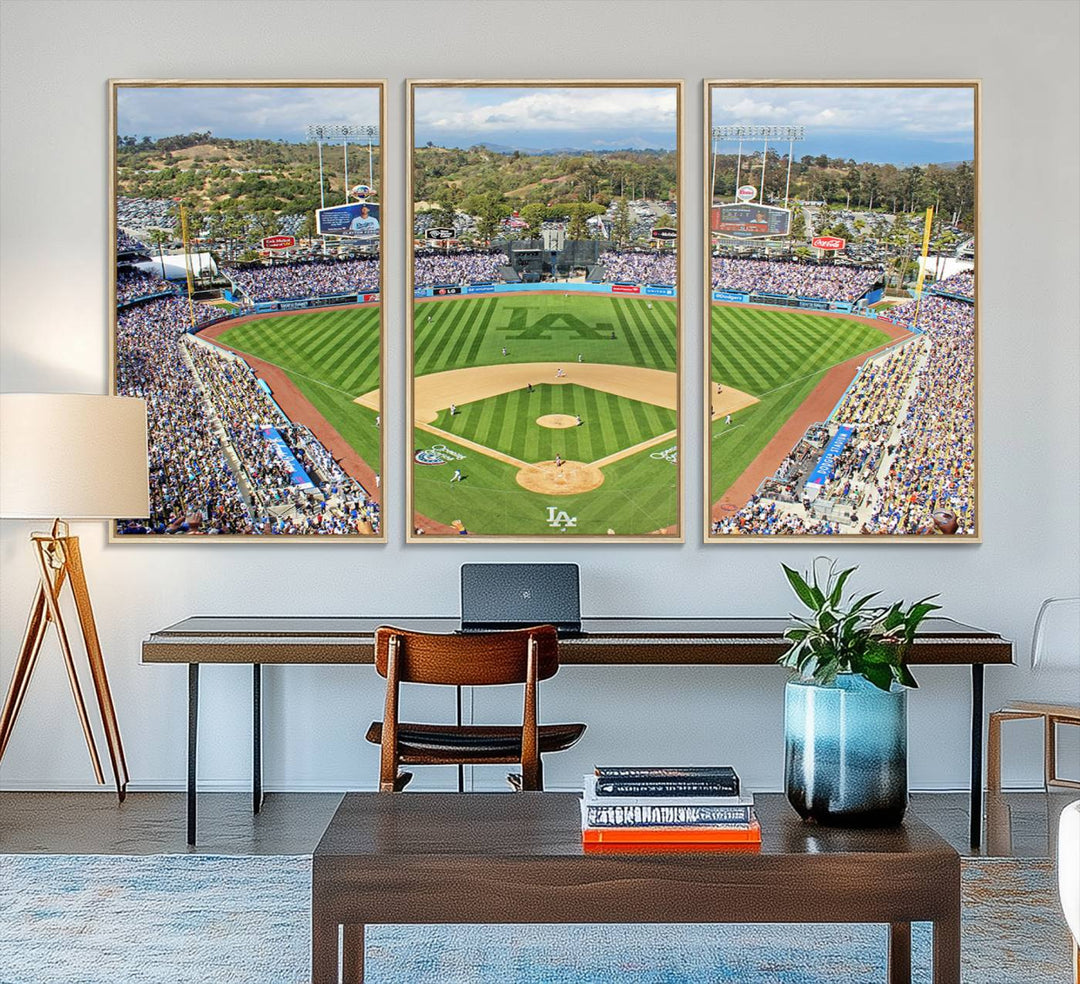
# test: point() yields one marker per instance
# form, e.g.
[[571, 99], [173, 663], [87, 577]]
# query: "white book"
[[591, 799]]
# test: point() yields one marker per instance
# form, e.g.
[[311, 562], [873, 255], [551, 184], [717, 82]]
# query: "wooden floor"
[[1022, 824]]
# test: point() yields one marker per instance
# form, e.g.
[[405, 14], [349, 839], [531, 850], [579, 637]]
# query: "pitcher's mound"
[[568, 479], [558, 420]]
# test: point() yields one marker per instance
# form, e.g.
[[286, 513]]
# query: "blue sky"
[[241, 112], [877, 125], [544, 117]]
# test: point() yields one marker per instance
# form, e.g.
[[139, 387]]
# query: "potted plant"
[[845, 714]]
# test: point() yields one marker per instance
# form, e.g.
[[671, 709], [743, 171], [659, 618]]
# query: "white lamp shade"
[[1055, 644], [73, 456]]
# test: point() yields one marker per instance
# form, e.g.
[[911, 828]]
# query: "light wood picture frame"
[[544, 384], [246, 245], [841, 334]]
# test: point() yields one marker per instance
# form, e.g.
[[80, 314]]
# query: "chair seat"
[[473, 743], [1047, 710]]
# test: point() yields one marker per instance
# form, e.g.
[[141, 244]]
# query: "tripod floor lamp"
[[77, 457]]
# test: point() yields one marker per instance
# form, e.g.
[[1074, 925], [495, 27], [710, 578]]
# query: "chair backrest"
[[468, 660], [1055, 643]]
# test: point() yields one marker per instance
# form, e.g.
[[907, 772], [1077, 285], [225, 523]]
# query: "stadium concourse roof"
[[946, 266], [201, 263]]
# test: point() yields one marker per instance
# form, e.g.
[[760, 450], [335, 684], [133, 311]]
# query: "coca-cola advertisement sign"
[[828, 242]]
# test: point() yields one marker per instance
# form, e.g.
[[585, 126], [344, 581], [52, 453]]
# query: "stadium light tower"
[[332, 133], [756, 131]]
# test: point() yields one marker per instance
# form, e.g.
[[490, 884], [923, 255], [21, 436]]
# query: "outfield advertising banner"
[[356, 220], [625, 289], [660, 290]]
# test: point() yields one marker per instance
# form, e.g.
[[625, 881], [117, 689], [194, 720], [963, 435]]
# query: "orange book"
[[748, 834]]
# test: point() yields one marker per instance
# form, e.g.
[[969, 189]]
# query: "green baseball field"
[[331, 356], [776, 358], [545, 414]]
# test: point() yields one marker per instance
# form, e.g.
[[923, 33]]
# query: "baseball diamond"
[[547, 412]]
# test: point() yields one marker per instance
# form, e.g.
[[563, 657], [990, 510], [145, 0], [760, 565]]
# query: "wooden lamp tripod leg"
[[79, 589], [51, 591], [24, 666]]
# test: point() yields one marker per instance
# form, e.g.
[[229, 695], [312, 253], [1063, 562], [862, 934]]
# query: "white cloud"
[[922, 111], [455, 110]]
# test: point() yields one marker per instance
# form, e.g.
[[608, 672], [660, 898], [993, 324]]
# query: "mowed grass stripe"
[[625, 331], [635, 311], [478, 336]]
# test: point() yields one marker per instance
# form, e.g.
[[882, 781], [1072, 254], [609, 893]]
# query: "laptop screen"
[[495, 596]]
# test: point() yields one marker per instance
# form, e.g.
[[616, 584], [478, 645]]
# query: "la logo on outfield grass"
[[560, 519]]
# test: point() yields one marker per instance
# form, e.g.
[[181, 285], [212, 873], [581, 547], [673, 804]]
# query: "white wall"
[[55, 60]]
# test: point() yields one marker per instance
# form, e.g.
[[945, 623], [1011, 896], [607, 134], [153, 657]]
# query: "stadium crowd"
[[430, 269], [333, 503], [912, 450], [830, 283], [132, 284], [129, 244], [313, 278], [193, 489], [961, 284], [639, 267]]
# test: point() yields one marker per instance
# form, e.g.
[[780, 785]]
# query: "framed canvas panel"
[[246, 276], [545, 328], [841, 330]]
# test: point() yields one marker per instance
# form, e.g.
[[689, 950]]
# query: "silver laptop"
[[513, 596]]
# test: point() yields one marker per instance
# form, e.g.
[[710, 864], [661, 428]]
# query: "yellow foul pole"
[[922, 266], [187, 263]]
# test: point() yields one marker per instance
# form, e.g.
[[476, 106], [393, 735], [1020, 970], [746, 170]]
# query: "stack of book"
[[679, 806]]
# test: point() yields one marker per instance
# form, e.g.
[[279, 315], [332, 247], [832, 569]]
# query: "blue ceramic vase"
[[846, 752]]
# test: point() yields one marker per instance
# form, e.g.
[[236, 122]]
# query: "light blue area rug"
[[174, 919]]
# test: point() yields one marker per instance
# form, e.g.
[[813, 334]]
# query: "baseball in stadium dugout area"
[[248, 273], [545, 324], [842, 325]]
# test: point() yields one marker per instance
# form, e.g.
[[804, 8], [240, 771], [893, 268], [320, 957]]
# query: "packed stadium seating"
[[639, 267], [795, 279], [203, 406], [132, 284], [430, 269], [960, 284], [312, 278], [913, 447]]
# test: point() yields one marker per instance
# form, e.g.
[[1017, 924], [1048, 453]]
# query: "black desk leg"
[[192, 747], [256, 738], [976, 753], [461, 767]]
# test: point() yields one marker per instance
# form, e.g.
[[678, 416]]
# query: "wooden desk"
[[427, 858], [260, 640]]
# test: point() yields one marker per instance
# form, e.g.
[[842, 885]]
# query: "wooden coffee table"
[[517, 858]]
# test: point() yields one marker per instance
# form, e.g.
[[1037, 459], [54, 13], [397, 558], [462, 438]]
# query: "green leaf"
[[880, 676], [800, 587], [838, 589], [903, 675]]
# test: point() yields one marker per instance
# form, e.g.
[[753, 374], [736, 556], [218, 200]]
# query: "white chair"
[[1055, 645], [1069, 875]]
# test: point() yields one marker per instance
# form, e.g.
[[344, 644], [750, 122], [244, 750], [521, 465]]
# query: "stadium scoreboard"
[[737, 220]]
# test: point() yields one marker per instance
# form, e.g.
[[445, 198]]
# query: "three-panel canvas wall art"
[[546, 226]]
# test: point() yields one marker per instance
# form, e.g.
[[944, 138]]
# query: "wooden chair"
[[485, 659], [1055, 644]]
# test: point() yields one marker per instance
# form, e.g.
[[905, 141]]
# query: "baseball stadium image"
[[545, 321], [841, 310], [247, 242]]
